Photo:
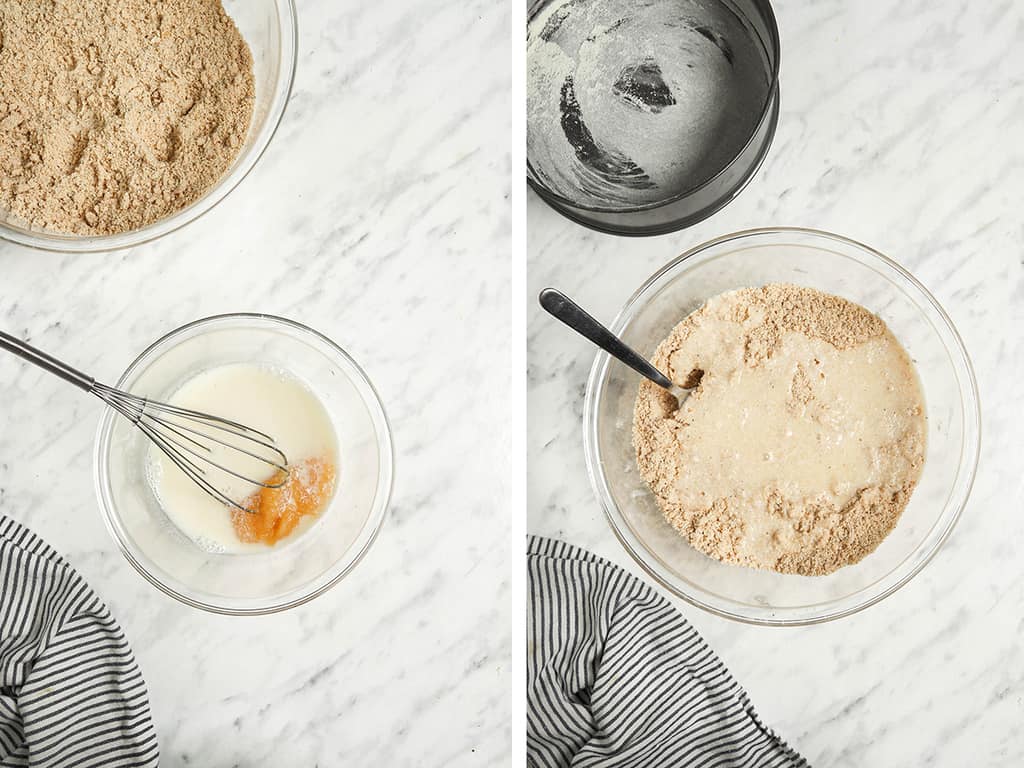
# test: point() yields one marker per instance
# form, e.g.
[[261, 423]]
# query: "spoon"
[[561, 307]]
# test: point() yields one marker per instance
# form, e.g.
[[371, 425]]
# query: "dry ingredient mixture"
[[117, 113], [803, 440]]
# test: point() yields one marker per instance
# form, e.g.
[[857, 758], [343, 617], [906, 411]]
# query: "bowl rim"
[[971, 411], [771, 99], [673, 225], [55, 242], [374, 522]]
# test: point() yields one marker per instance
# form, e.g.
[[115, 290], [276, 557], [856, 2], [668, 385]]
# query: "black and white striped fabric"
[[71, 694], [617, 678]]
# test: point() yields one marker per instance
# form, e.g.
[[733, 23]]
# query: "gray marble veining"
[[901, 127], [379, 216]]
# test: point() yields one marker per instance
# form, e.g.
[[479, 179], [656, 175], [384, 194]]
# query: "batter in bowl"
[[803, 440]]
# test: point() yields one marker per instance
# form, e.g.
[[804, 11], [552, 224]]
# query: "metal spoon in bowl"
[[573, 315]]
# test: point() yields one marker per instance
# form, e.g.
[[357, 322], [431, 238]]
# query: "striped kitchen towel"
[[617, 678], [71, 694]]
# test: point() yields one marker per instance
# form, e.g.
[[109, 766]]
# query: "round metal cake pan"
[[704, 199]]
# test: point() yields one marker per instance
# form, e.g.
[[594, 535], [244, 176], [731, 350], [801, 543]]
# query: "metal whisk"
[[188, 438]]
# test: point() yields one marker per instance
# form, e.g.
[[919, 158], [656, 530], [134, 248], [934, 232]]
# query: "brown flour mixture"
[[803, 440], [117, 113]]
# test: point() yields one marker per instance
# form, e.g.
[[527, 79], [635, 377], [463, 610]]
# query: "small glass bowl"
[[835, 265], [294, 571], [270, 28]]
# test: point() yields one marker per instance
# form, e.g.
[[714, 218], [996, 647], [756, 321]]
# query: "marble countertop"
[[383, 221], [900, 127]]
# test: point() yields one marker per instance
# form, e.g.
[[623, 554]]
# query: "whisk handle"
[[46, 362]]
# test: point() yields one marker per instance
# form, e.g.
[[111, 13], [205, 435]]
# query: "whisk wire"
[[195, 473], [218, 422], [141, 404], [183, 443], [156, 426], [178, 432]]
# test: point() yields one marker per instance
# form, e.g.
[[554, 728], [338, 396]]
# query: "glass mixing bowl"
[[835, 265], [294, 571], [270, 28]]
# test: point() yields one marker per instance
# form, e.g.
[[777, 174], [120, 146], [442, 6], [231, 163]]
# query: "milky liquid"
[[259, 397], [859, 425]]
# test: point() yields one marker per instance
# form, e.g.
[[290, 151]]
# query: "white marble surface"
[[901, 127], [380, 216]]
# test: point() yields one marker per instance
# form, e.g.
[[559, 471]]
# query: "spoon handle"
[[569, 312]]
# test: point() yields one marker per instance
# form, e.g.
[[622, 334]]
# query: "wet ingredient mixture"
[[273, 514], [117, 113], [803, 440], [279, 405]]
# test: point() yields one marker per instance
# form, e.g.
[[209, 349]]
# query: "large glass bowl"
[[271, 30], [835, 265], [292, 572]]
